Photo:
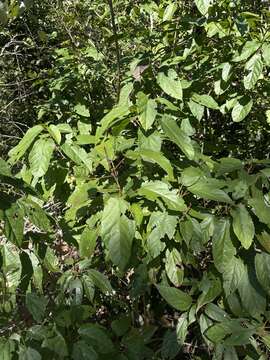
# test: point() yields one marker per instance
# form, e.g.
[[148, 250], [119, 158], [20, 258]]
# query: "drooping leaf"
[[170, 84], [249, 48], [158, 158], [262, 265], [81, 110], [254, 67], [87, 242], [196, 109], [78, 155], [4, 168], [11, 266], [226, 71], [179, 137], [19, 150], [101, 281], [169, 12], [243, 225], [55, 133], [83, 351], [56, 344], [159, 225], [178, 299], [29, 354], [223, 248], [153, 190], [96, 336], [205, 100], [251, 292], [147, 110], [117, 232], [174, 268], [232, 275], [241, 109], [203, 6], [117, 113], [121, 240], [40, 156], [36, 304], [14, 224]]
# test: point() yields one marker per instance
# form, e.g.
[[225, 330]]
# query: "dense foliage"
[[134, 209]]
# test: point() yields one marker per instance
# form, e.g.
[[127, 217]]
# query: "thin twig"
[[117, 48]]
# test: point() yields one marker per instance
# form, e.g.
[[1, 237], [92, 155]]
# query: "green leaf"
[[226, 71], [248, 49], [87, 242], [11, 266], [117, 113], [215, 312], [264, 240], [29, 354], [243, 226], [205, 100], [158, 158], [83, 351], [204, 187], [262, 265], [174, 267], [255, 67], [266, 53], [40, 156], [159, 225], [251, 293], [232, 275], [78, 155], [208, 190], [179, 137], [14, 224], [259, 207], [117, 232], [170, 84], [196, 109], [203, 6], [223, 248], [97, 337], [18, 151], [175, 297], [241, 109], [36, 304], [81, 110], [211, 289], [154, 190], [55, 133], [101, 281], [228, 165], [35, 214], [121, 240], [57, 344], [147, 110], [121, 325], [4, 168], [182, 328], [169, 12]]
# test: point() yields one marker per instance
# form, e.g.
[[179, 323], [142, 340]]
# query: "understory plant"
[[136, 225]]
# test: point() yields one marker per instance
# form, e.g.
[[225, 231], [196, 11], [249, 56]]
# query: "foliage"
[[135, 223]]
